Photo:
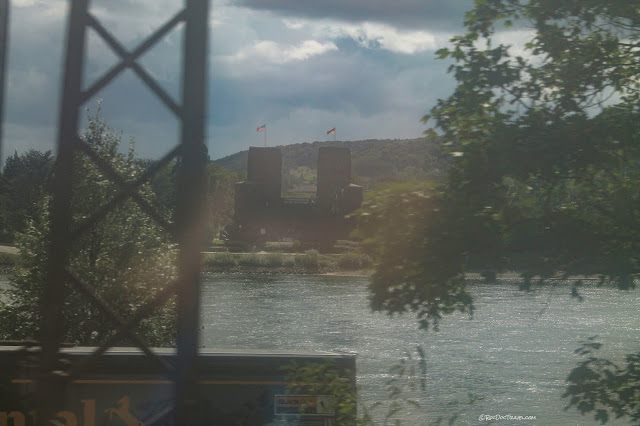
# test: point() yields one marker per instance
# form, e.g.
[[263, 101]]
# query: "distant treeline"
[[372, 161], [26, 180]]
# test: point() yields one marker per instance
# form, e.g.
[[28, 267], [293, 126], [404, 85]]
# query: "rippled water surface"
[[512, 357]]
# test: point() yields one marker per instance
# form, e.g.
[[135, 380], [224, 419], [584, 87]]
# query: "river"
[[511, 358]]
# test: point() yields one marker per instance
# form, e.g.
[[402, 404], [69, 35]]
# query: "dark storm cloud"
[[33, 76], [343, 87], [415, 14], [337, 83], [301, 78]]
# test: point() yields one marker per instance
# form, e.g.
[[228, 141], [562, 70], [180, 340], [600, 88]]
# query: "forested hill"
[[372, 160]]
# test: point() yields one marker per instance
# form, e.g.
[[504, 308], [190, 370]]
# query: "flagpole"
[[263, 128], [334, 133]]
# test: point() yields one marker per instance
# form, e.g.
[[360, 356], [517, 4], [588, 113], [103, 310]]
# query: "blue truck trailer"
[[125, 387]]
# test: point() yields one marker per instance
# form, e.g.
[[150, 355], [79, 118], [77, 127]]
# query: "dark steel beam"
[[190, 206], [51, 383], [143, 312], [126, 193], [129, 58], [4, 46], [189, 215], [111, 174], [123, 327]]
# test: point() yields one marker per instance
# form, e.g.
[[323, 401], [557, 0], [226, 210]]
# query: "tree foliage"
[[125, 258], [403, 227], [372, 161], [544, 176], [325, 379], [600, 386], [545, 140], [24, 181], [544, 179], [220, 197], [220, 192]]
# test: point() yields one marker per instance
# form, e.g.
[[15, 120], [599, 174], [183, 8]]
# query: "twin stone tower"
[[262, 214]]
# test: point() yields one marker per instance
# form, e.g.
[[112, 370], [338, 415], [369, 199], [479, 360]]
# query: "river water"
[[511, 358]]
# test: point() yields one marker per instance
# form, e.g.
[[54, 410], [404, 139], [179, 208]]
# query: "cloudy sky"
[[301, 67]]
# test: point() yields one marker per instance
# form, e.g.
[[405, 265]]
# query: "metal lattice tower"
[[4, 36], [189, 217]]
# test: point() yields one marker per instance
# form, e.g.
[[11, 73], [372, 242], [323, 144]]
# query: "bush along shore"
[[7, 262], [309, 262]]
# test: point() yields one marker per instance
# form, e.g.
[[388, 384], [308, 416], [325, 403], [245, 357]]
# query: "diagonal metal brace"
[[108, 170], [128, 61], [102, 211], [142, 313], [130, 58], [116, 318]]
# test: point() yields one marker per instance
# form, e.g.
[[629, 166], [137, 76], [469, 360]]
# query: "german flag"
[[331, 131]]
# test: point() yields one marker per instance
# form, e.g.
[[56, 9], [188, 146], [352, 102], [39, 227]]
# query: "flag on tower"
[[331, 131], [262, 128]]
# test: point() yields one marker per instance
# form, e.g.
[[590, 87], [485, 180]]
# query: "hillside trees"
[[558, 122], [24, 181], [544, 178], [404, 228], [220, 197], [372, 161], [125, 258]]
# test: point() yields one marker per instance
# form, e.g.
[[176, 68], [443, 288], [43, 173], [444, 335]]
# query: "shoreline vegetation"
[[310, 262], [8, 258], [306, 263]]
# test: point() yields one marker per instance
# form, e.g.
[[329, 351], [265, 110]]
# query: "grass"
[[289, 262], [274, 259], [226, 260], [250, 259], [8, 259], [221, 260], [354, 261], [311, 261]]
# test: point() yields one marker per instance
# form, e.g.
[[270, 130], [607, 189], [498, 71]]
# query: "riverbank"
[[362, 273], [311, 262], [8, 256]]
